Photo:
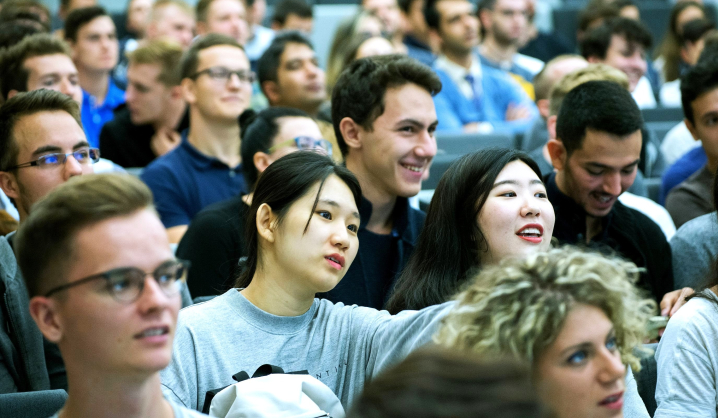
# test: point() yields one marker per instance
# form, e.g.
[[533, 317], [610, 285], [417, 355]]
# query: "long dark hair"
[[449, 244], [284, 182], [712, 279]]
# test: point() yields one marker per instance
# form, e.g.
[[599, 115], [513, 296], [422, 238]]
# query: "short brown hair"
[[190, 59], [594, 72], [164, 52], [203, 6], [44, 242], [13, 74], [25, 104]]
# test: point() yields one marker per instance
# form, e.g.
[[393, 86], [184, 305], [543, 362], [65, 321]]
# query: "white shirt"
[[458, 74], [653, 210], [670, 94], [643, 94], [677, 142]]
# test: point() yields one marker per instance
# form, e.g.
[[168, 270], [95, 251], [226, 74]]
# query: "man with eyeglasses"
[[214, 242], [205, 168], [105, 288]]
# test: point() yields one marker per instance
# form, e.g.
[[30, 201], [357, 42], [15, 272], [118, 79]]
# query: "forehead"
[[228, 56], [100, 24], [608, 149], [295, 50], [294, 126], [375, 4], [448, 8], [144, 72], [517, 170], [619, 42], [55, 128], [511, 5], [45, 64], [409, 101], [172, 12], [706, 102], [221, 7]]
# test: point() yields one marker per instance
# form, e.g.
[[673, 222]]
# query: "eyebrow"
[[516, 183], [338, 206], [55, 149], [712, 113], [604, 166], [416, 123]]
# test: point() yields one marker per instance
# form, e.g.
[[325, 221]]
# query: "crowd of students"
[[527, 288]]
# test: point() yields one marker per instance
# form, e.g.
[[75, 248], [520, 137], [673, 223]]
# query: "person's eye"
[[612, 344], [324, 214], [82, 154], [541, 195], [407, 129], [627, 171], [50, 159], [594, 172], [219, 73], [354, 228], [120, 284], [711, 121], [49, 82], [577, 357], [508, 194]]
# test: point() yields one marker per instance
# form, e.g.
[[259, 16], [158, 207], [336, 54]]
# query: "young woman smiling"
[[301, 239]]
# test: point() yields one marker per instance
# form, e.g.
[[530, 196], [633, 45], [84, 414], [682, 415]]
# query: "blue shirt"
[[456, 107], [94, 117], [688, 164], [184, 181]]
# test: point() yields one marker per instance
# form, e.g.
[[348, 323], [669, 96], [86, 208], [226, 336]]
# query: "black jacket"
[[354, 287], [626, 232]]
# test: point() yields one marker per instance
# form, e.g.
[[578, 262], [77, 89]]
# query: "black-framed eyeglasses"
[[306, 143], [83, 156], [126, 284], [225, 74]]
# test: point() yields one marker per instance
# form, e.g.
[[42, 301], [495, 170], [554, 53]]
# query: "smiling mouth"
[[153, 332], [414, 168]]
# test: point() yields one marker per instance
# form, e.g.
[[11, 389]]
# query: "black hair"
[[284, 182], [12, 33], [448, 248], [595, 12], [79, 18], [486, 5], [268, 63], [291, 7], [405, 5], [258, 136], [597, 41], [597, 105], [431, 14], [700, 79], [694, 30], [359, 92]]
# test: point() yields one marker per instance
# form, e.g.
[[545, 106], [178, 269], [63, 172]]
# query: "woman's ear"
[[266, 222], [44, 311]]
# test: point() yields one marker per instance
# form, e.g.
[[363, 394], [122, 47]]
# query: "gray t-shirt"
[[694, 249], [180, 412], [687, 362], [342, 346]]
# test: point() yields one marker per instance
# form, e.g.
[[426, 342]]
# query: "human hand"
[[672, 301], [517, 112]]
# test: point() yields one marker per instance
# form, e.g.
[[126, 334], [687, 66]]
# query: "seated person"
[[171, 19], [687, 165], [304, 220], [499, 193], [225, 17], [622, 43], [687, 356], [596, 154], [699, 92], [438, 383], [205, 168], [214, 241], [293, 15], [416, 33], [473, 97], [90, 293], [155, 112], [574, 316]]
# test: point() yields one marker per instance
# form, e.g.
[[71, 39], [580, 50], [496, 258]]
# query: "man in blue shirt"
[[474, 97], [205, 168], [92, 37]]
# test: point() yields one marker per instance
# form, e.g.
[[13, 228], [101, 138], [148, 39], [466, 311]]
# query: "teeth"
[[604, 199], [530, 231], [153, 332], [334, 260], [412, 168]]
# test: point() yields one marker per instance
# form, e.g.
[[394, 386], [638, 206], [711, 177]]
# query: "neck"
[[96, 83], [462, 58], [421, 37], [593, 224], [276, 292], [172, 115], [712, 163], [108, 395], [381, 220], [496, 52], [219, 139]]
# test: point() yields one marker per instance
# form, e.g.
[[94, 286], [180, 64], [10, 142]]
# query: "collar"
[[114, 98], [203, 161], [571, 216], [400, 216], [456, 72], [410, 40]]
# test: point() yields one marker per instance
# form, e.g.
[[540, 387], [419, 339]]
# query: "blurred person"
[[543, 46], [592, 17], [92, 37], [489, 205], [416, 32], [13, 32], [155, 112], [290, 76], [90, 294], [442, 383], [387, 11], [226, 17], [668, 60], [360, 23], [138, 14], [595, 155], [215, 240], [26, 12], [474, 96], [259, 36], [575, 317], [67, 6], [293, 15], [172, 19], [216, 83], [504, 25], [623, 43]]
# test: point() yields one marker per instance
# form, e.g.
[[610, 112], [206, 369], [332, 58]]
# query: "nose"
[[530, 208], [611, 367], [340, 236], [71, 168], [66, 87], [612, 183], [129, 94], [426, 146], [234, 83], [153, 298]]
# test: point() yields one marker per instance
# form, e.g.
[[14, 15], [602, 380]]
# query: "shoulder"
[[694, 326], [182, 412], [702, 228], [630, 219]]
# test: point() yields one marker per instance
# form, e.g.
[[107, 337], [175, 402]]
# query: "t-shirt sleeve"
[[167, 195], [633, 406]]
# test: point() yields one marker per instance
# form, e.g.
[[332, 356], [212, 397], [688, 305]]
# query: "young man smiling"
[[596, 154], [384, 119]]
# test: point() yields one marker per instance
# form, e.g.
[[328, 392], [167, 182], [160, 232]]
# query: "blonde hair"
[[518, 308], [158, 9], [594, 72], [543, 81], [164, 52]]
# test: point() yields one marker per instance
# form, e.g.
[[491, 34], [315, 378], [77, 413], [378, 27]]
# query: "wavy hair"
[[519, 307]]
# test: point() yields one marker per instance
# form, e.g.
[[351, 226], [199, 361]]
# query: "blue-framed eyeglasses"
[[83, 156], [306, 143]]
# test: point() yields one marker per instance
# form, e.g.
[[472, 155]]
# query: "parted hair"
[[13, 74], [79, 18], [359, 92], [166, 53], [190, 60], [519, 307], [45, 241], [24, 104], [594, 72]]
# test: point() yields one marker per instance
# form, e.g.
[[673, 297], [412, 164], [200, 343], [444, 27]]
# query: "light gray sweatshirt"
[[342, 346]]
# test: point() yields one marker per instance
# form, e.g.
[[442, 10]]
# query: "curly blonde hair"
[[519, 307]]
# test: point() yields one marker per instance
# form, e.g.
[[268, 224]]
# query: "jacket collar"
[[400, 216]]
